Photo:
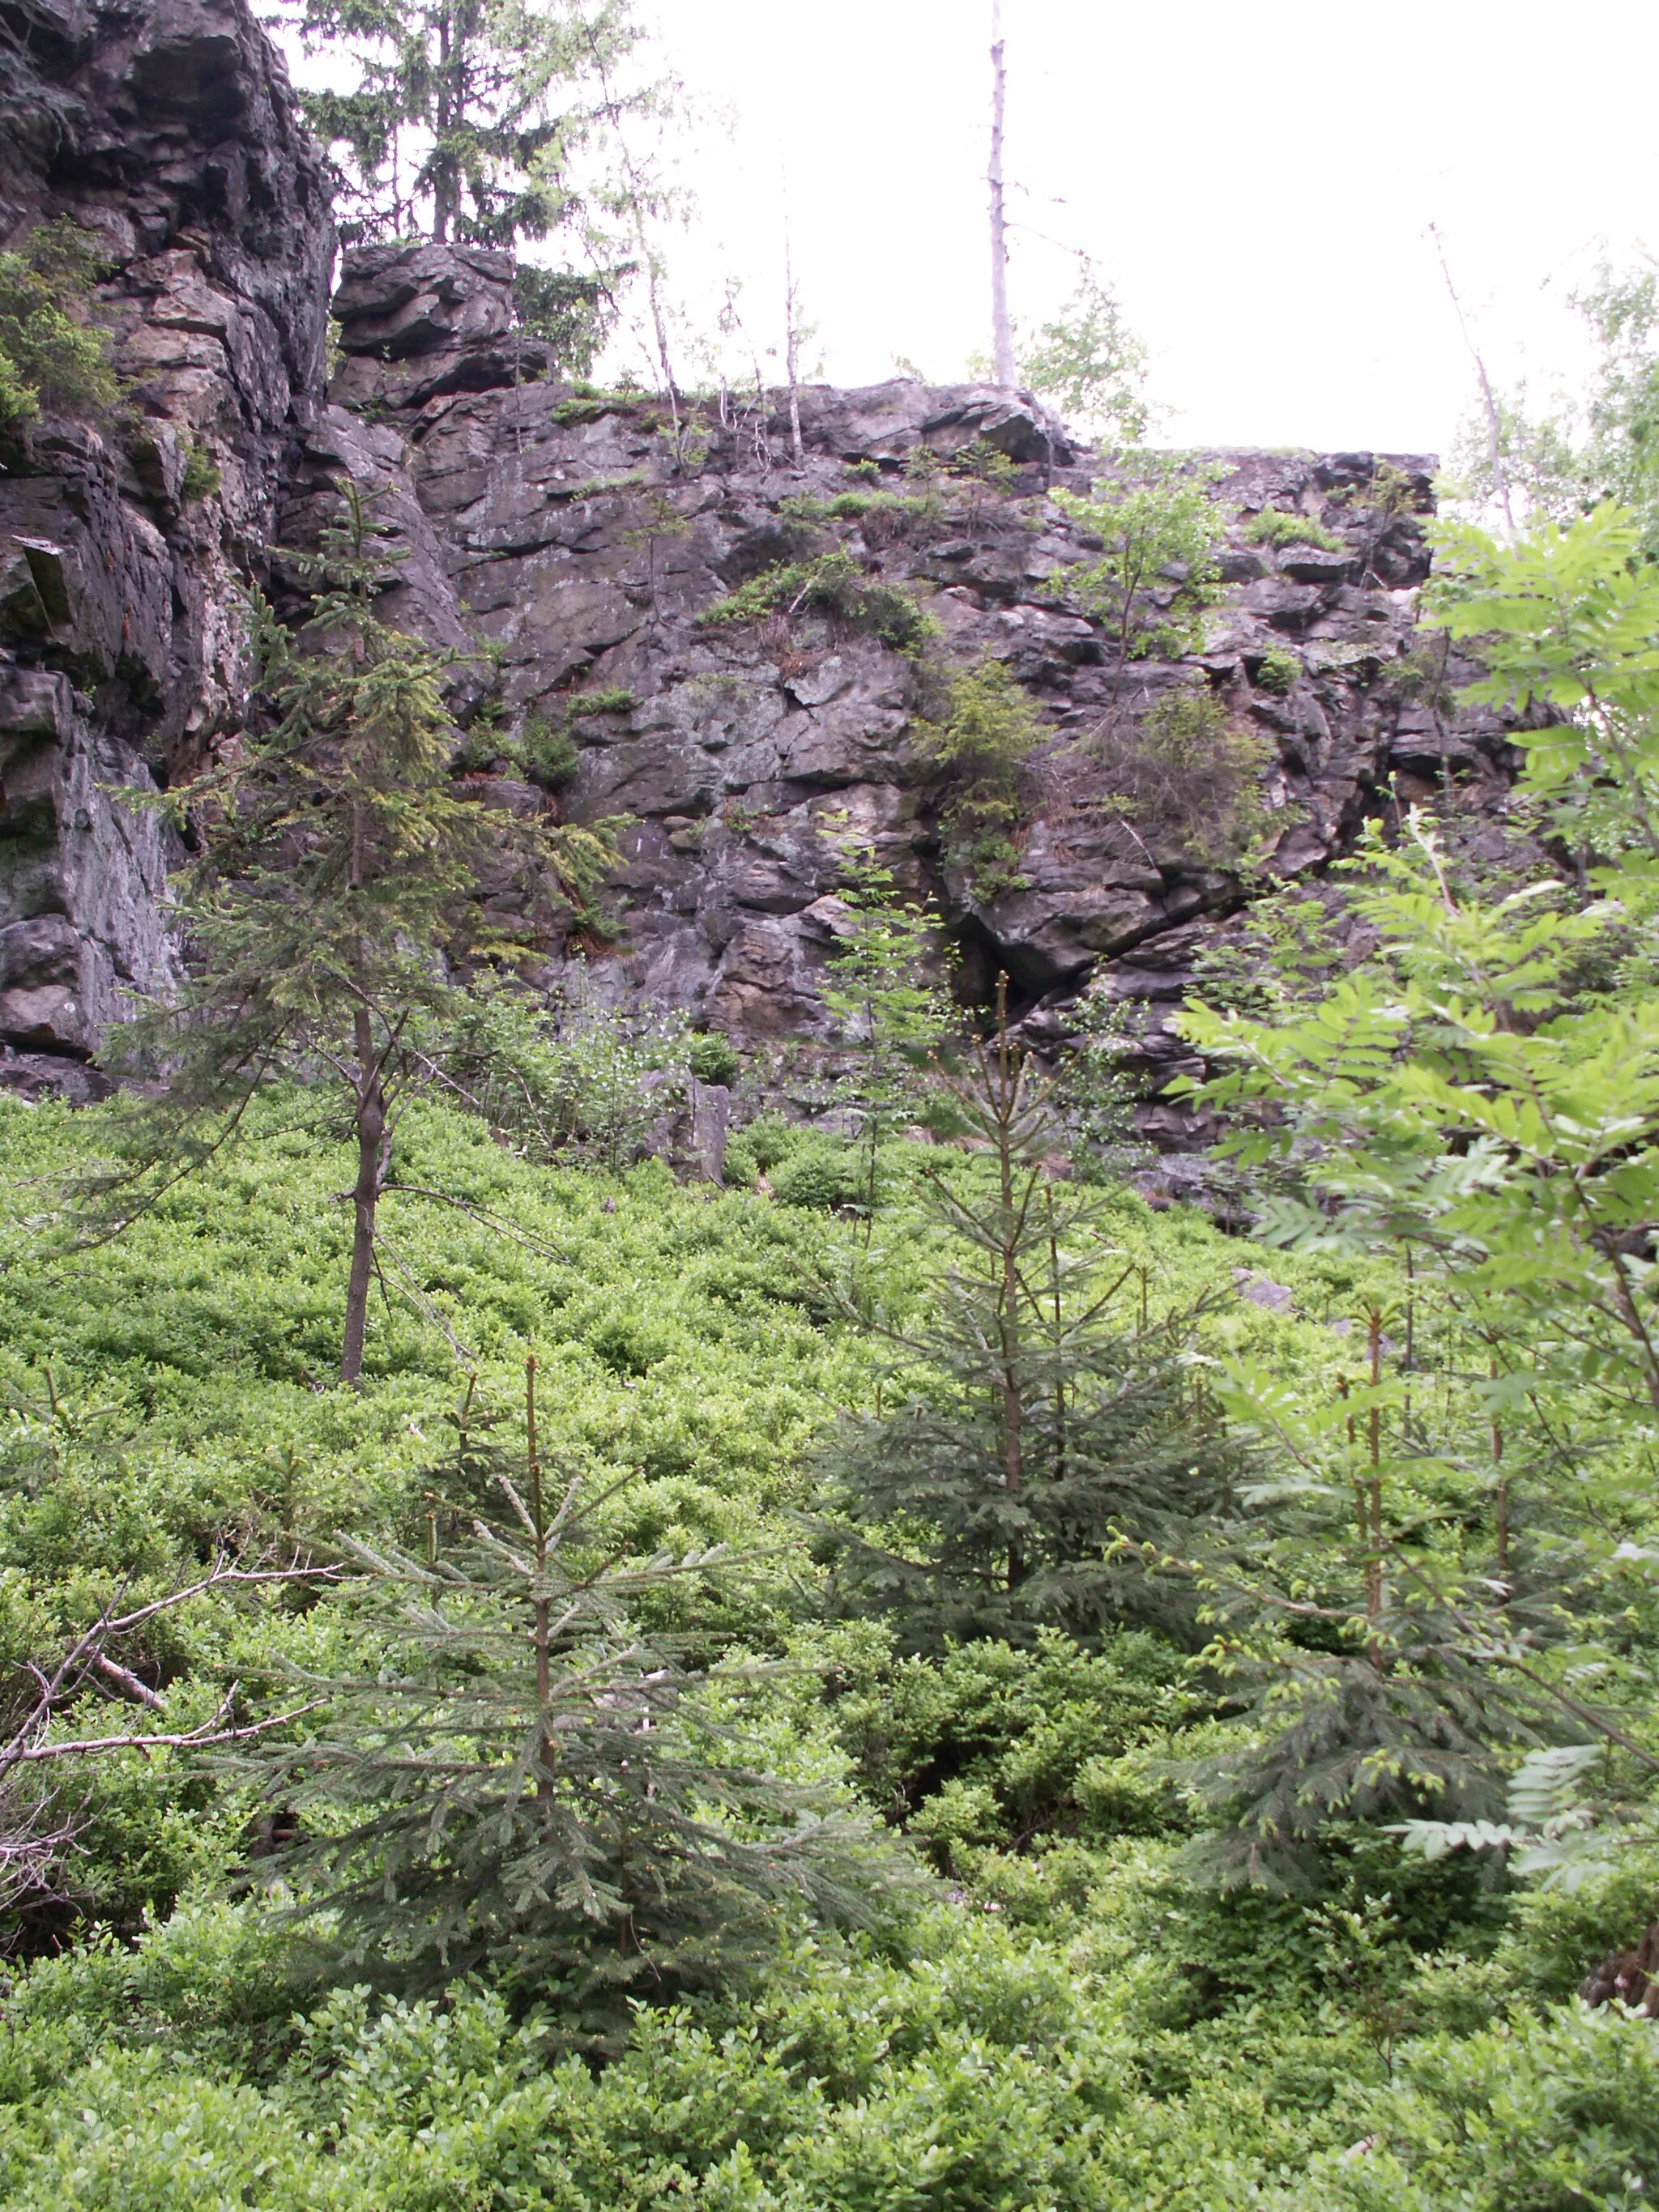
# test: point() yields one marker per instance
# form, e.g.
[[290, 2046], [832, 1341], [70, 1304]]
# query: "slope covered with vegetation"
[[912, 1679], [1057, 2008]]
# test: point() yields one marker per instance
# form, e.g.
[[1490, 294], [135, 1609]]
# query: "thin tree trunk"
[[442, 179], [1013, 1405], [370, 1123], [791, 349], [1494, 422], [1002, 333], [539, 1630]]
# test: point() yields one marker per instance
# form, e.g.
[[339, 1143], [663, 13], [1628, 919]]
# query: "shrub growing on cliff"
[[1190, 774], [991, 728], [834, 585], [1157, 572], [52, 356], [1274, 527]]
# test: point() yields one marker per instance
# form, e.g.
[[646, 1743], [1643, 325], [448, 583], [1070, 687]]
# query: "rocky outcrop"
[[583, 540], [575, 545], [127, 546]]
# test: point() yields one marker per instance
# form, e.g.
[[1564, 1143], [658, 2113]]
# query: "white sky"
[[1256, 180]]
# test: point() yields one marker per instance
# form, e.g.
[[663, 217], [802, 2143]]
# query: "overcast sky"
[[1256, 180]]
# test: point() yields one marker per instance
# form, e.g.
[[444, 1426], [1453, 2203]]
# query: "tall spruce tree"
[[331, 887], [466, 113], [519, 1776], [1048, 1454]]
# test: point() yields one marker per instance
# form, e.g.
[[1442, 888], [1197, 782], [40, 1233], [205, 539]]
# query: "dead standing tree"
[[1002, 330]]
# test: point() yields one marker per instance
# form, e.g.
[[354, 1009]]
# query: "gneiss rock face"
[[580, 540], [125, 551], [583, 538]]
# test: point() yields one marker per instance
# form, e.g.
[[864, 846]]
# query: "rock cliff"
[[583, 540], [167, 132], [578, 541]]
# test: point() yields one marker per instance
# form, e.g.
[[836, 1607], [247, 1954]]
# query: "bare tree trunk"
[[442, 178], [541, 1611], [1494, 426], [791, 348], [1002, 333], [370, 1122], [1013, 1404]]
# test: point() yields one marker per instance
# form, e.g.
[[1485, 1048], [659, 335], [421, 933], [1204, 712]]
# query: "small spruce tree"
[[1047, 1457], [519, 1777], [891, 1015]]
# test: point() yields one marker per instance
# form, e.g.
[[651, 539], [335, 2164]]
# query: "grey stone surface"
[[168, 132], [570, 534], [567, 545]]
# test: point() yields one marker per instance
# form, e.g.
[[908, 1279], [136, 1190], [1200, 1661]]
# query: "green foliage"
[[1478, 1097], [848, 505], [890, 1013], [1157, 572], [573, 1081], [1188, 774], [464, 120], [1043, 1455], [1391, 1529], [1278, 671], [826, 1174], [1547, 2115], [202, 476], [1088, 363], [551, 755], [1284, 951], [522, 1776], [1273, 526], [992, 727], [713, 1058], [993, 1744], [1565, 619], [581, 704], [834, 586], [574, 314], [335, 864], [985, 464], [1594, 445], [53, 357], [1076, 2023]]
